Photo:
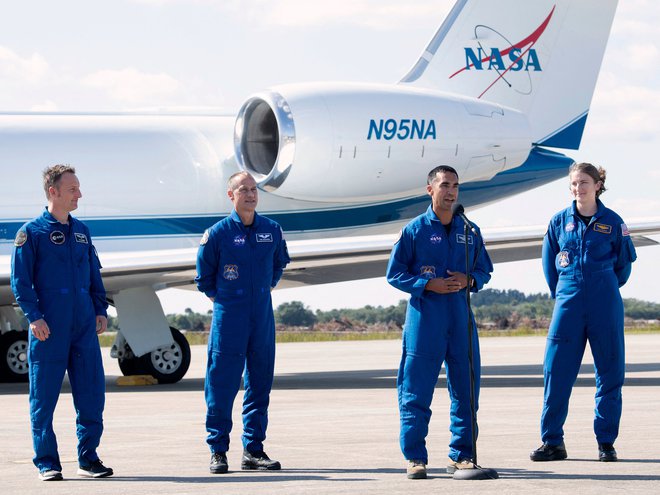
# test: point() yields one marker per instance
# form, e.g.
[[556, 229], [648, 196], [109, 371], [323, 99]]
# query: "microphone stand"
[[476, 472]]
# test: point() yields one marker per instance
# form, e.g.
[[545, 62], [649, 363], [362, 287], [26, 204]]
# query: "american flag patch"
[[624, 230]]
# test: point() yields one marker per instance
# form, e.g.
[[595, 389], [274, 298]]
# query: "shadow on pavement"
[[504, 376]]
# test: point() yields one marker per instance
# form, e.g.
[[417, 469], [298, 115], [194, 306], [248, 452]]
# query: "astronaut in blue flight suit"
[[587, 256], [428, 262], [56, 279], [240, 259]]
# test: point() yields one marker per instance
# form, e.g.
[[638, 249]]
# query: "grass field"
[[201, 338]]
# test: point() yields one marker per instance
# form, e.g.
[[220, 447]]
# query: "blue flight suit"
[[55, 275], [436, 330], [584, 266], [238, 266]]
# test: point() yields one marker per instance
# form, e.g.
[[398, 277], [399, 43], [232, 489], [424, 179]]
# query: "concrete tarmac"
[[334, 427]]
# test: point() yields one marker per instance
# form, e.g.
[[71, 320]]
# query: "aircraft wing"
[[354, 258], [315, 261]]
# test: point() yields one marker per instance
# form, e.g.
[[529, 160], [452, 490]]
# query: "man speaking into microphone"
[[428, 262]]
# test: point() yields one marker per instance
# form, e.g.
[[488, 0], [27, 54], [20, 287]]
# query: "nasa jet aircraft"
[[339, 165]]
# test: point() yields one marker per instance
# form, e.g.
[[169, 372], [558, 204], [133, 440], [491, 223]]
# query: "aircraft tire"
[[131, 366], [13, 356], [168, 364]]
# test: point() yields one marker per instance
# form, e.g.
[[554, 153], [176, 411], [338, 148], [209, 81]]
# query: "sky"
[[210, 55]]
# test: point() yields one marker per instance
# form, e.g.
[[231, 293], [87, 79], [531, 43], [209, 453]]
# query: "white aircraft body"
[[341, 166]]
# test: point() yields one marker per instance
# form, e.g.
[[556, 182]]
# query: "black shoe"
[[219, 463], [259, 460], [606, 452], [549, 453], [94, 470], [50, 475]]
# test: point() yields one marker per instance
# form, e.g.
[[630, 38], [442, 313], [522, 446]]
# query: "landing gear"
[[130, 366], [14, 356], [168, 364]]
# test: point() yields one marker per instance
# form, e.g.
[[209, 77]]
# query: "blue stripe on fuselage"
[[541, 167]]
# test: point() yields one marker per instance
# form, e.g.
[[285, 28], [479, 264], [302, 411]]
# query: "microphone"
[[457, 209]]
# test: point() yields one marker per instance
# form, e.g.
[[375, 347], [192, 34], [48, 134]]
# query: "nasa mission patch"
[[21, 238], [230, 272], [205, 238]]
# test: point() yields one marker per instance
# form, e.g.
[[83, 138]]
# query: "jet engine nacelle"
[[325, 142]]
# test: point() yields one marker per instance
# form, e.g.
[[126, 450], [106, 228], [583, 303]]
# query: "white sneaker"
[[50, 475]]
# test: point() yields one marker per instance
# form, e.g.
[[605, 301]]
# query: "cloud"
[[31, 83], [642, 57], [374, 14], [637, 209], [46, 106], [627, 22], [31, 70], [132, 86], [623, 110], [367, 13]]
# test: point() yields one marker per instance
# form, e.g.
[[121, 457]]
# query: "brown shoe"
[[416, 470], [454, 466]]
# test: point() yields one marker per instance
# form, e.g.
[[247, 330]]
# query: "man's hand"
[[443, 285], [459, 277], [40, 329], [101, 324], [455, 282]]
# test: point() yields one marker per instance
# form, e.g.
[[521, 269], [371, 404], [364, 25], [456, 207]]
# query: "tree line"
[[493, 309]]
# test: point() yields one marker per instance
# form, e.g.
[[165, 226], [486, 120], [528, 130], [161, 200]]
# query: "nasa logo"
[[239, 240], [402, 129], [507, 59], [57, 237], [495, 61], [436, 239], [570, 227]]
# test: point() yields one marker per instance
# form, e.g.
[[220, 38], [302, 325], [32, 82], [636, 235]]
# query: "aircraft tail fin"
[[541, 57]]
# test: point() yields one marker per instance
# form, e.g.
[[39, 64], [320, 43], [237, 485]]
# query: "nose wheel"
[[168, 364], [14, 356]]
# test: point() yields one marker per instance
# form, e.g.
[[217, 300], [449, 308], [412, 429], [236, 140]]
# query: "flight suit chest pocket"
[[53, 252], [81, 251], [264, 244], [568, 241], [598, 247], [53, 247], [235, 248]]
